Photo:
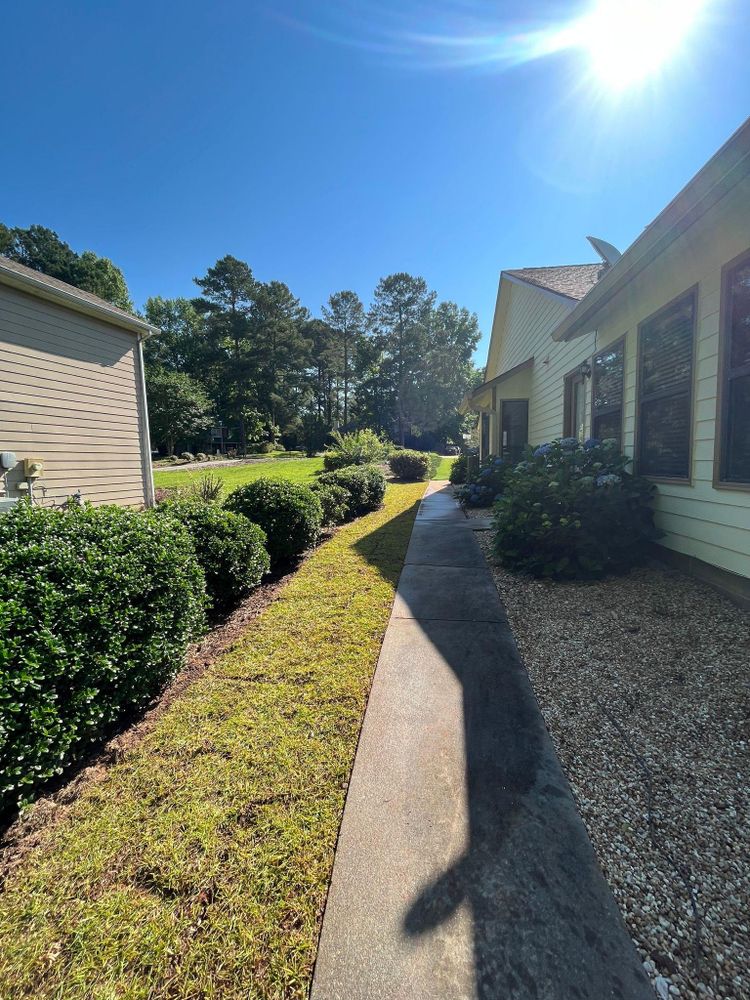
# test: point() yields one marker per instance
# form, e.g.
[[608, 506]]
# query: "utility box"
[[33, 467], [7, 503]]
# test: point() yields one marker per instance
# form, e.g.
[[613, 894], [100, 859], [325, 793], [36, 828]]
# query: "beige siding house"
[[72, 395], [656, 352]]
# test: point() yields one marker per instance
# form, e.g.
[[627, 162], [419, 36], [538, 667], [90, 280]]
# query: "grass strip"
[[298, 470], [198, 867]]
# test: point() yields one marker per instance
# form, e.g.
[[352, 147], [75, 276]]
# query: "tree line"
[[247, 354]]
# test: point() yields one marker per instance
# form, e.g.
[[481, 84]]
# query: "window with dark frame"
[[735, 383], [607, 392], [665, 390]]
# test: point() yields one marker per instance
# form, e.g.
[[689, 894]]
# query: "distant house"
[[73, 411], [651, 347]]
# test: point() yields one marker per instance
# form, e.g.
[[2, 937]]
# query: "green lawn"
[[299, 470], [198, 868], [443, 470]]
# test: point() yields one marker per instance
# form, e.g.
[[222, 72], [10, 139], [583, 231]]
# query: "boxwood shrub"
[[364, 484], [334, 500], [457, 475], [97, 606], [231, 549], [572, 510], [289, 513], [410, 465]]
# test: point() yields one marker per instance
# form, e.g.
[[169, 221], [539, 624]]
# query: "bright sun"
[[631, 40]]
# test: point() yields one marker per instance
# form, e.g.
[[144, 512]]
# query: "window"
[[515, 428], [665, 396], [607, 388], [734, 393], [574, 417]]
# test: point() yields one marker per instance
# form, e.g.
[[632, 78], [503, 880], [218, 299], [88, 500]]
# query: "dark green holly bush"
[[97, 606], [364, 484], [231, 549], [410, 465], [572, 510], [457, 475], [334, 501], [289, 513]]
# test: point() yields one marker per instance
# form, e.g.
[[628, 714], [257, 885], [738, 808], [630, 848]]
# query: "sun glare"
[[631, 40]]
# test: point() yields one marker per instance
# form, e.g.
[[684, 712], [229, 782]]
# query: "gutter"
[[700, 194], [147, 469]]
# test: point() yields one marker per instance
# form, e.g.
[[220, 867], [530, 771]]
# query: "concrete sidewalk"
[[463, 869]]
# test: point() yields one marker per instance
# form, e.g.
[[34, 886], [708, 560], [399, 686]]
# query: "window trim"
[[692, 293], [574, 375], [621, 341], [722, 387]]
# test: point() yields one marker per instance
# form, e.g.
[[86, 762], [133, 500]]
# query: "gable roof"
[[571, 280], [42, 285]]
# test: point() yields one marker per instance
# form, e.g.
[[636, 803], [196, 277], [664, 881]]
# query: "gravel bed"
[[644, 683]]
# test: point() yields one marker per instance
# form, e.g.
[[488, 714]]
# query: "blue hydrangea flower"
[[569, 444], [498, 461], [590, 443], [610, 479], [543, 449]]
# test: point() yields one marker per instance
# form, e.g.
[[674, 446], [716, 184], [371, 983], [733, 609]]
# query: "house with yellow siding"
[[73, 415], [652, 347]]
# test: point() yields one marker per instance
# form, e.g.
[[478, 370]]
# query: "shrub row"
[[289, 513], [364, 486]]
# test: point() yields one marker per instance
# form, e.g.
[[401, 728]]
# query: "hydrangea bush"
[[488, 484], [573, 510]]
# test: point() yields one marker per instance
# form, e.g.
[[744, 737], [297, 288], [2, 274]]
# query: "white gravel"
[[644, 683]]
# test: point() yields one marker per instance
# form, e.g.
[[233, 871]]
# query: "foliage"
[[410, 465], [187, 456], [345, 317], [356, 448], [207, 488], [178, 408], [302, 470], [226, 816], [364, 484], [230, 549], [334, 501], [97, 606], [458, 471], [572, 510], [482, 489], [289, 513], [42, 250]]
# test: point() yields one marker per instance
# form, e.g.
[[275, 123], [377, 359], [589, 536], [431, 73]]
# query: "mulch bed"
[[644, 683]]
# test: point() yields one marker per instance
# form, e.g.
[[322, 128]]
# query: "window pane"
[[665, 437], [609, 369], [667, 350], [739, 353], [738, 431], [608, 425]]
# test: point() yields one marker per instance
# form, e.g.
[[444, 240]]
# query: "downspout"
[[145, 436]]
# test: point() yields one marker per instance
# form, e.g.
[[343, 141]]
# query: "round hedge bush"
[[410, 465], [97, 606], [334, 501], [289, 513], [231, 549], [364, 484], [457, 475]]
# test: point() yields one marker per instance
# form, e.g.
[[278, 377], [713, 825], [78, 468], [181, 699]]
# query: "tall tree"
[[178, 408], [400, 316], [345, 315], [181, 344], [101, 277], [229, 290]]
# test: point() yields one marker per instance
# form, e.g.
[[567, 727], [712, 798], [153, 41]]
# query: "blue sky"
[[331, 143]]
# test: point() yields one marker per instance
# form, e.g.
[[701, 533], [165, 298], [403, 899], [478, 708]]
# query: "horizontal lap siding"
[[699, 520], [69, 395]]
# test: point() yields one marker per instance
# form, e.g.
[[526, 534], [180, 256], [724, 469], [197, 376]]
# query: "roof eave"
[[61, 296], [722, 172]]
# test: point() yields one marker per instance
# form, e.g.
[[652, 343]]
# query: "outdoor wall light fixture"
[[585, 370]]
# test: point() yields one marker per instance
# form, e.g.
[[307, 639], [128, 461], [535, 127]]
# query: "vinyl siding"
[[699, 520], [70, 396]]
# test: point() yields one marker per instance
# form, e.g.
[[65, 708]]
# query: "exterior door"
[[514, 428]]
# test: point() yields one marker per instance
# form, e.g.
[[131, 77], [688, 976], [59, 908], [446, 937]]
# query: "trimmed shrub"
[[290, 514], [364, 484], [572, 510], [187, 456], [482, 489], [334, 501], [356, 448], [231, 550], [410, 465], [201, 456], [97, 606], [457, 475]]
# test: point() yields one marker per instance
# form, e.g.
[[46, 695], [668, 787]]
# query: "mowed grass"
[[298, 470], [198, 868], [444, 468]]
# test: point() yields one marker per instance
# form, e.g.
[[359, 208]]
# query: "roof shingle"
[[571, 280]]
